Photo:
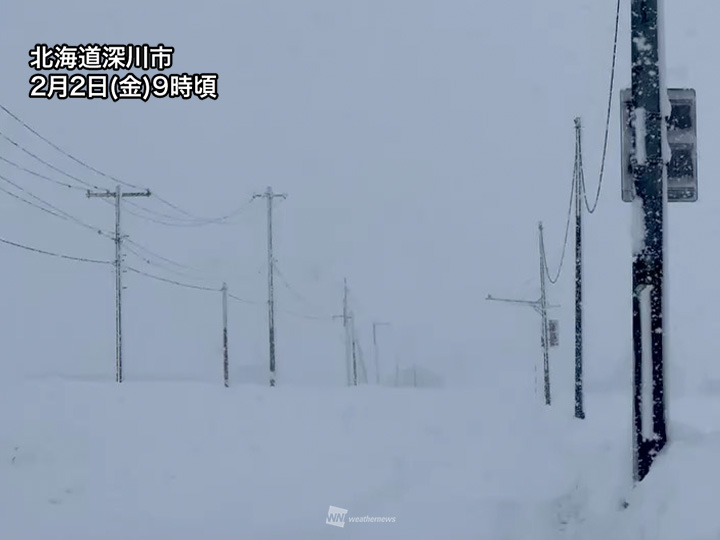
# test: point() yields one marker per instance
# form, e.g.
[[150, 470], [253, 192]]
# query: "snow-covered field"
[[85, 460]]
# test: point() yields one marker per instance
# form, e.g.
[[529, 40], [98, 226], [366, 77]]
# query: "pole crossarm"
[[532, 303], [112, 194]]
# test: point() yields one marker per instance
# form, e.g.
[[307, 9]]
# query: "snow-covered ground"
[[87, 460], [83, 460]]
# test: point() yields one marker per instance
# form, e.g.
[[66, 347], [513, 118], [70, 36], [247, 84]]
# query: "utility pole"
[[375, 349], [346, 317], [648, 168], [354, 352], [541, 307], [270, 196], [579, 410], [118, 195], [226, 363], [349, 339], [543, 313]]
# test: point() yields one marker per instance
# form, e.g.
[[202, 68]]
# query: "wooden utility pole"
[[540, 307], [543, 314], [270, 196], [226, 362], [354, 352], [349, 339], [579, 408], [118, 195]]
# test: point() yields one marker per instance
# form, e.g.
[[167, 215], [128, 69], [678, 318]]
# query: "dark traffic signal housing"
[[682, 180]]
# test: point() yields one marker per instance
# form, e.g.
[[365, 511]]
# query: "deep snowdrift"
[[96, 461]]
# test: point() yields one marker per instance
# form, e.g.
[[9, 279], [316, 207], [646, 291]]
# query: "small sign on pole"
[[554, 332]]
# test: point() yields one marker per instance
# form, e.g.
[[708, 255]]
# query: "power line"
[[567, 230], [79, 161], [193, 221], [175, 207], [34, 173], [285, 311], [152, 219], [41, 160], [203, 219], [67, 154], [170, 261], [243, 301], [165, 268], [158, 221], [289, 287], [53, 254], [37, 206], [607, 121], [162, 215], [172, 281], [182, 222], [161, 257], [220, 219], [304, 316], [58, 210]]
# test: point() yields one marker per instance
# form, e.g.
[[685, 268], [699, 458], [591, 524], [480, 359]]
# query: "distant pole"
[[540, 307], [375, 355], [346, 317], [270, 196], [118, 195], [375, 347], [271, 298], [226, 363], [648, 168], [354, 352], [118, 287], [579, 410], [543, 313]]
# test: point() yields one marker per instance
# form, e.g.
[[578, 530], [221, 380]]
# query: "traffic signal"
[[682, 180]]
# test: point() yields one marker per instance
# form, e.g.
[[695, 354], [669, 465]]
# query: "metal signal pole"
[[648, 167], [118, 196], [270, 196]]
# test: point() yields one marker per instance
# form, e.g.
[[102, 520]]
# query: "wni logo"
[[336, 516]]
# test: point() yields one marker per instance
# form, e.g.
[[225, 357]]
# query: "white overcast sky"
[[419, 143]]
